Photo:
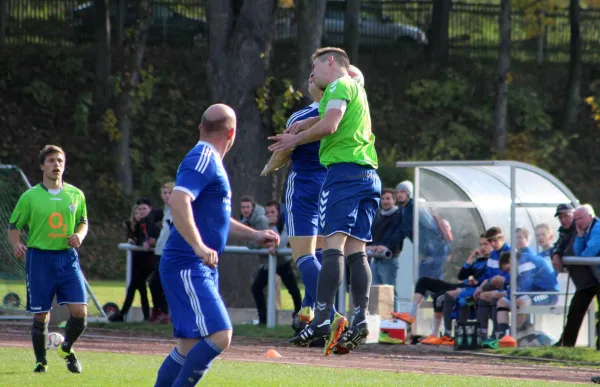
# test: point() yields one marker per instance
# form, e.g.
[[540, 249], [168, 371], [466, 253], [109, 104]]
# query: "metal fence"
[[473, 27]]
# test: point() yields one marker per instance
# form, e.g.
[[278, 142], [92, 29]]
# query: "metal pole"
[[415, 233], [128, 269], [271, 312], [591, 325], [95, 300], [513, 253]]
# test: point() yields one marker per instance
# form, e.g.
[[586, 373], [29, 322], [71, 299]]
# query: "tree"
[[352, 28], [438, 30], [310, 16], [3, 23], [103, 53], [501, 135], [574, 86], [129, 78], [240, 33]]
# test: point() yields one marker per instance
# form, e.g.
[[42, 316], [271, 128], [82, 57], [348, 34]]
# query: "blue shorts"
[[464, 294], [349, 200], [197, 309], [539, 299], [302, 202], [544, 299], [51, 273]]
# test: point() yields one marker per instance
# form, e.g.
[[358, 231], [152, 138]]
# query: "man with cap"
[[586, 285], [433, 248]]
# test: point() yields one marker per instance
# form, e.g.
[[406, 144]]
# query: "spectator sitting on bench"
[[487, 303], [535, 274], [543, 237], [486, 307], [473, 268]]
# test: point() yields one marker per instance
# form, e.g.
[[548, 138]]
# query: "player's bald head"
[[218, 118]]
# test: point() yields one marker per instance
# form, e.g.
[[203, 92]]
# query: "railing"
[[272, 270], [473, 27]]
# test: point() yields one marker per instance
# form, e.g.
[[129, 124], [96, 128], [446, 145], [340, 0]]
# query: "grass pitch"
[[110, 369]]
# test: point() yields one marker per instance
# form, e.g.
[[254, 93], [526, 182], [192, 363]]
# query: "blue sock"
[[319, 255], [307, 301], [169, 370], [309, 269], [197, 362]]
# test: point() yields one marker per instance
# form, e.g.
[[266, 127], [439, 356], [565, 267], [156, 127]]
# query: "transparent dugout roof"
[[486, 185]]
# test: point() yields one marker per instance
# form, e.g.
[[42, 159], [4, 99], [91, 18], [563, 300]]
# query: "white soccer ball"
[[357, 75], [54, 340]]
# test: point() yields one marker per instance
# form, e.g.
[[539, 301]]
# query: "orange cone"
[[507, 342], [272, 353]]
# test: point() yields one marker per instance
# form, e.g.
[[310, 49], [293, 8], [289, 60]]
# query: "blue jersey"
[[536, 274], [306, 157], [201, 175], [475, 269], [493, 265]]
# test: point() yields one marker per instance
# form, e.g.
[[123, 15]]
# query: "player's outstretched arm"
[[302, 125], [325, 127], [265, 238]]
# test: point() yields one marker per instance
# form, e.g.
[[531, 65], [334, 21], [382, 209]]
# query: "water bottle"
[[470, 331], [459, 339]]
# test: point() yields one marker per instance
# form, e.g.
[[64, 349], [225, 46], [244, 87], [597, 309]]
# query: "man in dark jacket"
[[586, 285], [385, 269]]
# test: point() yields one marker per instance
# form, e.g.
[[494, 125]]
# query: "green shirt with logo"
[[353, 141], [51, 218]]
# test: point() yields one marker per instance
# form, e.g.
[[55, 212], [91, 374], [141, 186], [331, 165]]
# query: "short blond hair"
[[168, 185], [545, 226], [338, 54]]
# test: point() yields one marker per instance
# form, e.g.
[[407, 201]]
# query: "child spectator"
[[161, 309]]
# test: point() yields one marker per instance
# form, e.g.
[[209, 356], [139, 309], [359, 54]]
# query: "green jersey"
[[51, 219], [353, 141]]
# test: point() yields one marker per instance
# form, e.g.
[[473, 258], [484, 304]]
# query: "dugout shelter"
[[473, 196]]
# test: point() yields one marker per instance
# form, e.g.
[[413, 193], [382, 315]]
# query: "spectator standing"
[[285, 269], [586, 285], [385, 270], [142, 232], [161, 309], [253, 216]]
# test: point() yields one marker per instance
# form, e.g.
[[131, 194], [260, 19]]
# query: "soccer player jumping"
[[349, 196], [56, 215], [302, 202], [201, 213]]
